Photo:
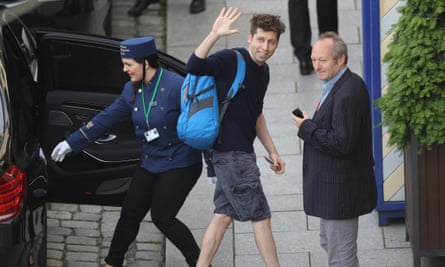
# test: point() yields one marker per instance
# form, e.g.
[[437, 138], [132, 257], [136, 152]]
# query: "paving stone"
[[142, 263], [149, 246], [87, 232], [149, 255], [64, 207], [54, 238], [55, 246], [111, 208], [59, 214], [87, 216], [55, 254], [110, 216], [90, 208], [54, 263], [80, 224], [81, 248], [52, 222], [81, 264], [60, 231], [81, 256], [81, 240]]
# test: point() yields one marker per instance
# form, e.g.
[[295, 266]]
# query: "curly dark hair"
[[267, 22]]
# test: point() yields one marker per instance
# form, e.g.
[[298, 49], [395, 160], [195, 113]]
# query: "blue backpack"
[[199, 119]]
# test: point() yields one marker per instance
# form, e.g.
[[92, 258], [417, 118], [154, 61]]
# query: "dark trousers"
[[300, 26], [163, 193]]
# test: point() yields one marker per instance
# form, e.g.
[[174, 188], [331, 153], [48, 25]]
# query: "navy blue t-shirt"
[[238, 128]]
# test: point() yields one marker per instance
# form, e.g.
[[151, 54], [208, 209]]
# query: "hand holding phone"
[[297, 112], [269, 160]]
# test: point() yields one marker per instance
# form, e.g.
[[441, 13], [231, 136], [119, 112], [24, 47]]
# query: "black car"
[[86, 16], [50, 84]]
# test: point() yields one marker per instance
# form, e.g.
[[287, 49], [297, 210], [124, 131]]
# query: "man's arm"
[[263, 135], [221, 27]]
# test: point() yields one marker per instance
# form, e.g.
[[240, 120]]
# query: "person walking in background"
[[238, 193], [338, 166], [168, 169], [196, 6], [300, 28]]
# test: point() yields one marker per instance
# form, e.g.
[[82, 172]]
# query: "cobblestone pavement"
[[80, 235]]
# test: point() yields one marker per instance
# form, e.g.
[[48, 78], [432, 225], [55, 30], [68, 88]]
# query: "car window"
[[82, 16], [29, 49], [24, 40], [85, 67]]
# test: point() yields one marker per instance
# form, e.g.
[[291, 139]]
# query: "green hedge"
[[415, 98]]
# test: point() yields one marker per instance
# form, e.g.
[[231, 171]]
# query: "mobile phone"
[[297, 112], [268, 159], [276, 167]]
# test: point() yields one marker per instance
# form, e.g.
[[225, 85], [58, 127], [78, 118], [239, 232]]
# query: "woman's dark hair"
[[153, 61]]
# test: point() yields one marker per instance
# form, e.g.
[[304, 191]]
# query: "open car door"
[[82, 75]]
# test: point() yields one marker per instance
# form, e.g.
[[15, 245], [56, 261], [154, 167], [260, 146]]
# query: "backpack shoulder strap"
[[236, 85], [239, 77]]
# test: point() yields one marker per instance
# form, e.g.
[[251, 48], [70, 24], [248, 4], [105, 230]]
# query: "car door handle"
[[107, 138]]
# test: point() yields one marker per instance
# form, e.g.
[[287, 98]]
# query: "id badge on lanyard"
[[151, 134]]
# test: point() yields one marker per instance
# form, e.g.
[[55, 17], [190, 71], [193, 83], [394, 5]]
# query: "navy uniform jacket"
[[338, 164], [166, 153]]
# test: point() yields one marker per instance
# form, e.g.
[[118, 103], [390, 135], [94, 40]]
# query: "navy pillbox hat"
[[138, 47]]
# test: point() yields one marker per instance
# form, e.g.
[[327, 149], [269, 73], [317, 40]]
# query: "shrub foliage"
[[415, 97]]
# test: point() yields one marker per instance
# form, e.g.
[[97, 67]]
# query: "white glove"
[[60, 151]]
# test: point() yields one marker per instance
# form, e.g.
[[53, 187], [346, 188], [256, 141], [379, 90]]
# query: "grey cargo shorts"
[[239, 193]]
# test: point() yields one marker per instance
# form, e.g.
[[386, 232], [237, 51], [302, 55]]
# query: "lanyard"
[[147, 111]]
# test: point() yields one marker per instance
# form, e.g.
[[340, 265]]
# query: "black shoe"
[[306, 67], [139, 7], [197, 6]]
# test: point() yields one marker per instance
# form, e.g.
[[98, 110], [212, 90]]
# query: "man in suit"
[[300, 28], [338, 166]]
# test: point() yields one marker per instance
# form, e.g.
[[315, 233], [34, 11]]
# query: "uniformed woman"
[[168, 170]]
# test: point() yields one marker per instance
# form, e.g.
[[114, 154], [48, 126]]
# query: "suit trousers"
[[300, 26], [339, 239]]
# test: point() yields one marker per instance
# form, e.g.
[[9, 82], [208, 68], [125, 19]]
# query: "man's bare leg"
[[212, 239], [265, 242]]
